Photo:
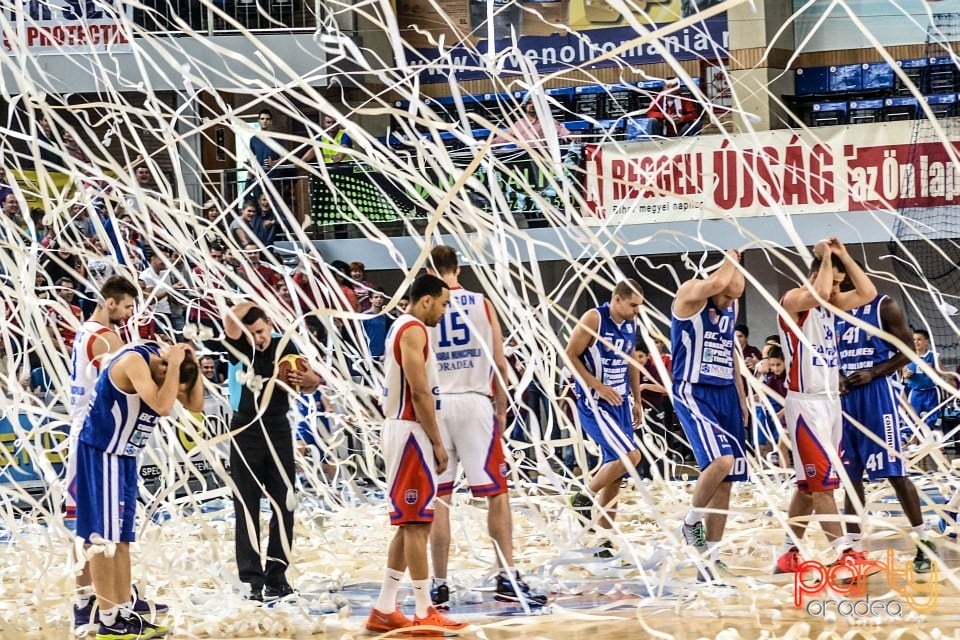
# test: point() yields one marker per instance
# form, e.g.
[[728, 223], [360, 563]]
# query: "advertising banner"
[[855, 168], [825, 25], [36, 27], [553, 35]]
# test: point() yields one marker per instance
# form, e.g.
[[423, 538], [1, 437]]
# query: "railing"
[[176, 17]]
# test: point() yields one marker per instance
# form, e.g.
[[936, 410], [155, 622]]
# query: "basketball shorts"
[[70, 478], [871, 412], [766, 425], [609, 426], [815, 425], [926, 402], [411, 472], [712, 420], [105, 494], [472, 438]]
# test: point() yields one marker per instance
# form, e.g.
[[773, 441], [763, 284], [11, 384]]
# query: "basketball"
[[288, 363]]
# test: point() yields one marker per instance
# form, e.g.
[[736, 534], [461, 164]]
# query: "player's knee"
[[723, 464]]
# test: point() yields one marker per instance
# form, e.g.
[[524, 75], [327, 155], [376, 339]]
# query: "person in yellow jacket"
[[332, 143]]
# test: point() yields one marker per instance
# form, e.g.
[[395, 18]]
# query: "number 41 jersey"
[[463, 342]]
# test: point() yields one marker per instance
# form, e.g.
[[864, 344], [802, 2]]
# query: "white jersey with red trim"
[[84, 370], [812, 359], [397, 396], [463, 342]]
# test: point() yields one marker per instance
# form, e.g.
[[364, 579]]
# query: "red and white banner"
[[835, 169], [40, 27]]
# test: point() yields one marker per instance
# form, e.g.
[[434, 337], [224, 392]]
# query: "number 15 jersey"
[[463, 344]]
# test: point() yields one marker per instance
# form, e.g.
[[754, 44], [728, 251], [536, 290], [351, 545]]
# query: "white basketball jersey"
[[397, 398], [462, 342], [84, 370], [812, 359]]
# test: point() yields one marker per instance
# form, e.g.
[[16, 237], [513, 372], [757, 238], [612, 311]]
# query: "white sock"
[[84, 596], [713, 550], [421, 595], [109, 616], [856, 541], [387, 601], [788, 544], [840, 544], [693, 517], [921, 531]]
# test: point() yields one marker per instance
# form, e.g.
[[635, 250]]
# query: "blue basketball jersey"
[[861, 349], [119, 423], [608, 357], [702, 345], [920, 380]]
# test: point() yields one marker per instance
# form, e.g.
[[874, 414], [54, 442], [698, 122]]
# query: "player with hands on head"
[[812, 407], [709, 401]]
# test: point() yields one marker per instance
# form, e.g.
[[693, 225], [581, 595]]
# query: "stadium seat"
[[864, 111], [826, 114], [812, 81], [845, 78], [944, 106], [915, 70], [900, 108]]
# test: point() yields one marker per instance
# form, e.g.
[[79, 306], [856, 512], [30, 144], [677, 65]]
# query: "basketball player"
[[600, 352], [468, 344], [94, 342], [872, 425], [923, 394], [414, 455], [709, 401], [812, 406], [141, 384]]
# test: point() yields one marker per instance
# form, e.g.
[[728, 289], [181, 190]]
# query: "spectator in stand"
[[376, 324], [267, 222], [11, 208], [751, 355], [531, 130], [265, 154], [674, 112], [64, 317], [214, 221], [770, 422], [136, 201], [348, 298], [100, 265], [208, 368], [243, 230], [361, 286], [159, 283], [402, 304], [262, 277], [202, 311], [333, 142], [51, 153]]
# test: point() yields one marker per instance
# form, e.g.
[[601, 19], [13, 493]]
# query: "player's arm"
[[811, 294], [583, 336], [500, 362], [896, 325], [103, 345], [232, 327], [413, 346], [133, 373], [634, 377], [864, 289], [692, 294]]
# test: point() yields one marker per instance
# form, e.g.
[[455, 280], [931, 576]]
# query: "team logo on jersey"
[[503, 469], [410, 496], [810, 470]]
